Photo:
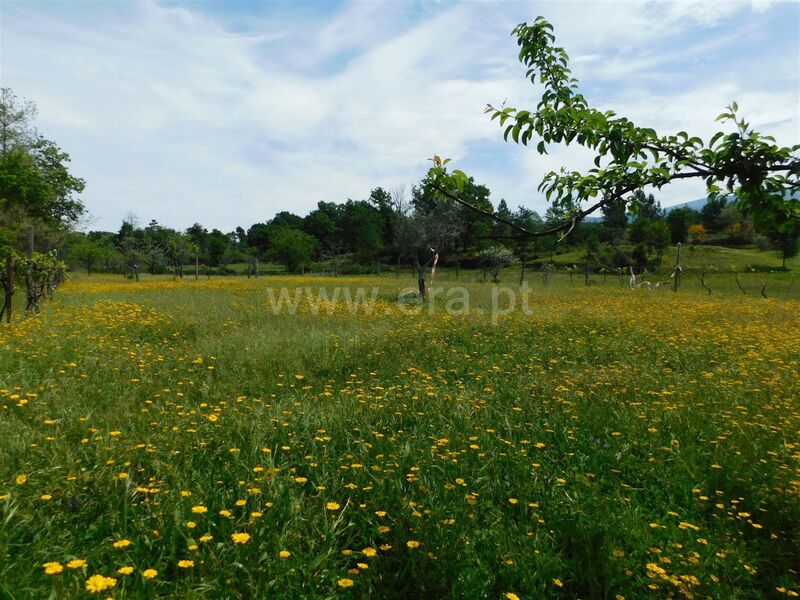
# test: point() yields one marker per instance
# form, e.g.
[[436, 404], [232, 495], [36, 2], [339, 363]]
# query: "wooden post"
[[255, 267], [522, 271], [9, 286], [677, 272], [196, 266], [29, 283]]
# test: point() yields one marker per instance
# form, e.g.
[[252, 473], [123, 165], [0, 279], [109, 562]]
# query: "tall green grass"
[[610, 444]]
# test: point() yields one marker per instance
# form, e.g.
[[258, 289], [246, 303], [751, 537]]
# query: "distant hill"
[[693, 204]]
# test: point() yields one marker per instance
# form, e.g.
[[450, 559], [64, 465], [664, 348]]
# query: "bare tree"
[[333, 255]]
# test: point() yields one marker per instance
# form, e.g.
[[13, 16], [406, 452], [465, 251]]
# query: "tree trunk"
[[196, 267], [522, 272], [255, 267], [420, 277], [677, 271]]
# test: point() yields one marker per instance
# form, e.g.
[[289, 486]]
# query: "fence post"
[[9, 286], [29, 283], [676, 273]]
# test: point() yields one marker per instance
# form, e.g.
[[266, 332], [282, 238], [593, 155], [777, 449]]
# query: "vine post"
[[9, 286], [30, 284], [676, 273]]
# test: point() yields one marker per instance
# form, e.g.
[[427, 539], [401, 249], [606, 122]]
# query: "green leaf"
[[515, 133]]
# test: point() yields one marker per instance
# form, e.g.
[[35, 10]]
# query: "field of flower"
[[185, 439]]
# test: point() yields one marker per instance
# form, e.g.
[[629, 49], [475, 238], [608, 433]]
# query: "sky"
[[226, 113]]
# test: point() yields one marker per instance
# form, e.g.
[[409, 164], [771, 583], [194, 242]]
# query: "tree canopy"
[[763, 177], [34, 180]]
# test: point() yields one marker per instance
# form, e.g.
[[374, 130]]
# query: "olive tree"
[[494, 259]]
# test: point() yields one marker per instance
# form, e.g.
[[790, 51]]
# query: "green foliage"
[[293, 248], [678, 220], [34, 180], [711, 212], [218, 244], [606, 432], [494, 259], [87, 251], [629, 158]]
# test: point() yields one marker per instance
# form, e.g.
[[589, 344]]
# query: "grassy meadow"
[[182, 439]]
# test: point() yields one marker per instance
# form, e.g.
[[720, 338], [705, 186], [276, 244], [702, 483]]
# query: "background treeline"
[[40, 214], [398, 228]]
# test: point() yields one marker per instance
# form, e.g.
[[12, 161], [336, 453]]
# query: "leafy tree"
[[650, 234], [293, 248], [286, 219], [637, 232], [35, 182], [659, 236], [615, 220], [678, 220], [646, 206], [178, 249], [87, 251], [239, 237], [494, 259], [16, 121], [473, 230], [382, 201], [500, 230], [421, 233], [786, 241], [131, 243], [199, 237], [362, 229], [258, 238], [218, 245], [710, 213], [760, 175], [729, 218]]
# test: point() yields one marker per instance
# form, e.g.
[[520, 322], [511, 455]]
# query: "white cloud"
[[169, 114]]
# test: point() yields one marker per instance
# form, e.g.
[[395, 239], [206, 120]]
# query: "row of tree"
[[38, 198], [397, 227], [38, 205]]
